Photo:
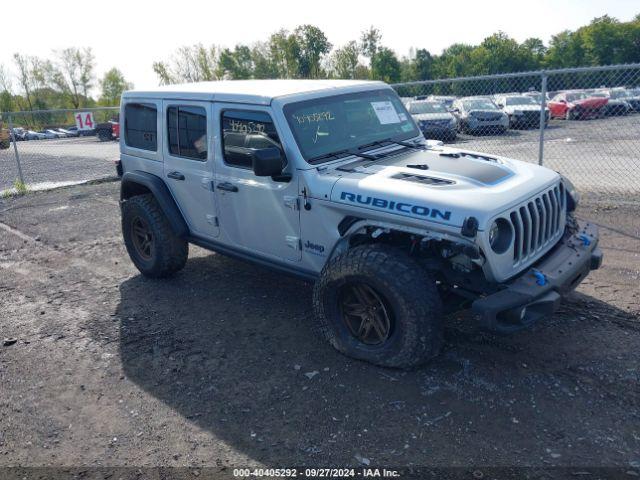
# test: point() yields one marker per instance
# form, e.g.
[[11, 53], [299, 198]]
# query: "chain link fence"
[[50, 148], [582, 122]]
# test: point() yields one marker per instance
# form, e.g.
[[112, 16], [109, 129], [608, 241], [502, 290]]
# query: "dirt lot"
[[208, 368]]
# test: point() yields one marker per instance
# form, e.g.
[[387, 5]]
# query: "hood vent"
[[469, 155], [409, 177]]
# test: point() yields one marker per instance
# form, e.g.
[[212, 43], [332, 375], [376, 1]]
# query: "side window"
[[243, 132], [140, 126], [187, 132]]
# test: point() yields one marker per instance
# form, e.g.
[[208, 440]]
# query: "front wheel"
[[376, 304]]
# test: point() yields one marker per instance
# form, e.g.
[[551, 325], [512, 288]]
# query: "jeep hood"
[[444, 185]]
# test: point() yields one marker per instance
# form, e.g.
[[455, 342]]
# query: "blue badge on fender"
[[402, 207]]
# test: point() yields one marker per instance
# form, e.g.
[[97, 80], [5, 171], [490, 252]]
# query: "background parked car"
[[19, 133], [31, 135], [479, 115], [633, 97], [51, 133], [537, 96], [68, 133], [434, 119], [523, 111], [446, 100], [576, 105], [616, 105]]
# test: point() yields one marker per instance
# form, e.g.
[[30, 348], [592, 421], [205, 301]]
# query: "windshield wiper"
[[387, 141], [341, 153]]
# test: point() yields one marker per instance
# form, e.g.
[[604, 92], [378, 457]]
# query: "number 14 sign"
[[84, 121]]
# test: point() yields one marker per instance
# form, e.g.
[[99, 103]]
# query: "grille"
[[537, 223]]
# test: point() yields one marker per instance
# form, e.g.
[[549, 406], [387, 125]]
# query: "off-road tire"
[[406, 289], [168, 251]]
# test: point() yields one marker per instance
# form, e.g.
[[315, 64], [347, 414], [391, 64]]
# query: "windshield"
[[619, 94], [599, 94], [520, 101], [344, 122], [478, 104], [572, 97], [418, 108]]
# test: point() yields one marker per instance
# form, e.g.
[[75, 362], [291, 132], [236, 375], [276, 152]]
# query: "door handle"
[[175, 175], [227, 187]]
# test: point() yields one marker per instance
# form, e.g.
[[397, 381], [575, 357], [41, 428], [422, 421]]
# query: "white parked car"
[[332, 181], [523, 111]]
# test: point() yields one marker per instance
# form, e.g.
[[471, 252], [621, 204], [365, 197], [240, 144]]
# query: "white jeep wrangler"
[[333, 182]]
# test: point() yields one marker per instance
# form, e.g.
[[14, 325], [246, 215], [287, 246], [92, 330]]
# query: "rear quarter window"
[[141, 126]]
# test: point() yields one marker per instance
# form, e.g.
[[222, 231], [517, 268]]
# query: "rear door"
[[188, 163]]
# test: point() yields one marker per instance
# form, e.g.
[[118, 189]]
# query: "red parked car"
[[576, 105]]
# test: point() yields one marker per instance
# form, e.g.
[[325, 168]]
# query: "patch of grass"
[[20, 187]]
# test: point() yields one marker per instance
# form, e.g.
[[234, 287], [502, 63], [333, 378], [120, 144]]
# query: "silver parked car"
[[479, 115], [434, 119]]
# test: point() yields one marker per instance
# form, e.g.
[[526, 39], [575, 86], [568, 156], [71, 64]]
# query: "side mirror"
[[563, 101], [266, 162]]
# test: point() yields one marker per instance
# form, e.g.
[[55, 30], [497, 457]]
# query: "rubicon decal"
[[396, 206]]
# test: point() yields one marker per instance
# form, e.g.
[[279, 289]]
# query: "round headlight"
[[500, 234], [573, 196]]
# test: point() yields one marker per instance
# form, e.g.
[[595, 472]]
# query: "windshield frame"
[[288, 107]]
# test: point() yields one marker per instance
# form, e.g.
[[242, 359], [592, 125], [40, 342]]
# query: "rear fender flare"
[[137, 183]]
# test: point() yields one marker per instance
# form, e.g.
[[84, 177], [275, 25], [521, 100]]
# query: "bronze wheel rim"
[[142, 237], [365, 314]]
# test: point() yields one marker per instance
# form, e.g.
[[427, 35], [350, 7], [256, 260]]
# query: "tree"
[[344, 61], [112, 85], [284, 54], [237, 63], [188, 64], [370, 41], [385, 65], [25, 78], [73, 74], [263, 65], [312, 46]]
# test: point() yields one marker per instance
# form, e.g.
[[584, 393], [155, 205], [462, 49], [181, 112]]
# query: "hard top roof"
[[250, 91]]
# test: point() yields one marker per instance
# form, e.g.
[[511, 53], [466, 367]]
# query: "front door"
[[257, 214], [188, 163]]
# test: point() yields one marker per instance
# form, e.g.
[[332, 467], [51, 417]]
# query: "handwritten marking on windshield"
[[315, 117]]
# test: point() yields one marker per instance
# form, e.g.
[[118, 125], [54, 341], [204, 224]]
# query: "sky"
[[132, 34]]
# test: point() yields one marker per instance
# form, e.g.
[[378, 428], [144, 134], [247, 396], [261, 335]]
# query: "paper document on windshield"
[[386, 112]]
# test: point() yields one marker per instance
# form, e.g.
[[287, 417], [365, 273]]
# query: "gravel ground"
[[220, 367]]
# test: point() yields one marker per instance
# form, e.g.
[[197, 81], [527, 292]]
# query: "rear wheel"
[[153, 247], [375, 303]]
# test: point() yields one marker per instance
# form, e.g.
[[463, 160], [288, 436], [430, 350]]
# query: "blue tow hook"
[[586, 241], [541, 279]]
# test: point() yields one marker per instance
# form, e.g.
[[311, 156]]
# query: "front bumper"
[[537, 292], [438, 132]]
